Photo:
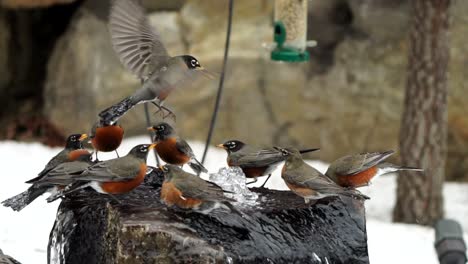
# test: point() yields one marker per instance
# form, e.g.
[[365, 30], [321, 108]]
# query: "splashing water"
[[233, 179]]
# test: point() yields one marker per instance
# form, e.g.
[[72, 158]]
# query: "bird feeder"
[[290, 31]]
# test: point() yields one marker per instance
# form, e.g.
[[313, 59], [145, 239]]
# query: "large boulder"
[[280, 228], [85, 76]]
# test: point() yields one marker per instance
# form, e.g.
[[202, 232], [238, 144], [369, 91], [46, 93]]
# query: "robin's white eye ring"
[[194, 63]]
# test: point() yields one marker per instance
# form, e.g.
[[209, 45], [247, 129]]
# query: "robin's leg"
[[96, 156], [169, 113], [158, 106], [117, 153], [254, 181], [263, 185]]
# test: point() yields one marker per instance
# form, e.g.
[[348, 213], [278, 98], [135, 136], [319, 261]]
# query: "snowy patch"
[[25, 235]]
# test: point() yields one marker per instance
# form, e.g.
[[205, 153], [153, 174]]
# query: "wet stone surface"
[[280, 228]]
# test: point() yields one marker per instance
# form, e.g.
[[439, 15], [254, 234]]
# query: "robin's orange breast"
[[300, 190], [173, 196], [75, 154], [168, 152], [125, 186], [254, 172], [107, 138], [361, 179]]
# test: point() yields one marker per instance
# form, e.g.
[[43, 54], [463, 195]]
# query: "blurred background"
[[58, 70]]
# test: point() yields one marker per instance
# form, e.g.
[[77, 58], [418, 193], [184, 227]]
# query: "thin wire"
[[150, 133], [221, 82]]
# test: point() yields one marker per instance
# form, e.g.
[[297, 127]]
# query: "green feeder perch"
[[283, 52]]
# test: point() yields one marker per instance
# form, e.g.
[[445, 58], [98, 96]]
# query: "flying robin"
[[53, 181], [73, 149], [174, 150], [308, 182], [115, 176], [358, 170], [141, 50], [106, 137], [187, 191], [254, 162]]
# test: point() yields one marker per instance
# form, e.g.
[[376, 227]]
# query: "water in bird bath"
[[232, 179]]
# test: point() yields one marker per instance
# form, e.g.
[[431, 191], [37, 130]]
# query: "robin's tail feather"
[[20, 201], [232, 208], [355, 194], [111, 114], [302, 151], [67, 190], [197, 166]]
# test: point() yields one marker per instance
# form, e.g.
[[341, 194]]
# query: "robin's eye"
[[194, 63], [284, 152], [144, 149], [161, 128]]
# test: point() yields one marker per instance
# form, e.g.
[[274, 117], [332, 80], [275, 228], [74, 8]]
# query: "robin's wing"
[[137, 44], [197, 188], [307, 176], [256, 158], [64, 173], [354, 164], [184, 147], [61, 157], [120, 169]]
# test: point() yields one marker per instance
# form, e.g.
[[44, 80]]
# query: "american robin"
[[141, 50], [187, 191], [358, 170], [115, 176], [308, 182], [53, 181], [174, 150], [106, 137], [73, 149], [254, 161]]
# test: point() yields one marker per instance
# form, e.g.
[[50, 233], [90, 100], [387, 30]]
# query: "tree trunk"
[[423, 131]]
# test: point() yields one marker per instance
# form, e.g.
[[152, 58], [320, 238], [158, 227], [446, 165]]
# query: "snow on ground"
[[25, 235]]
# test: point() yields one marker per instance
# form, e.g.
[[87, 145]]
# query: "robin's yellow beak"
[[220, 146], [161, 167], [150, 128], [83, 137], [152, 146]]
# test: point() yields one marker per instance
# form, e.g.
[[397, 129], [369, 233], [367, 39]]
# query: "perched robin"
[[53, 181], [73, 149], [308, 182], [141, 50], [115, 176], [254, 162], [174, 150], [187, 191], [358, 170], [105, 137]]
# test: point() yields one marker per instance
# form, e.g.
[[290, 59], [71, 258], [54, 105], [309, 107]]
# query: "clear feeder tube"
[[293, 14]]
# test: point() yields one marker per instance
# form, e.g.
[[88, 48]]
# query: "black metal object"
[[221, 83], [449, 243]]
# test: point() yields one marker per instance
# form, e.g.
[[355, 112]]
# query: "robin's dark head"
[[141, 151], [162, 130], [190, 61], [292, 156], [75, 141], [170, 170], [232, 145]]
